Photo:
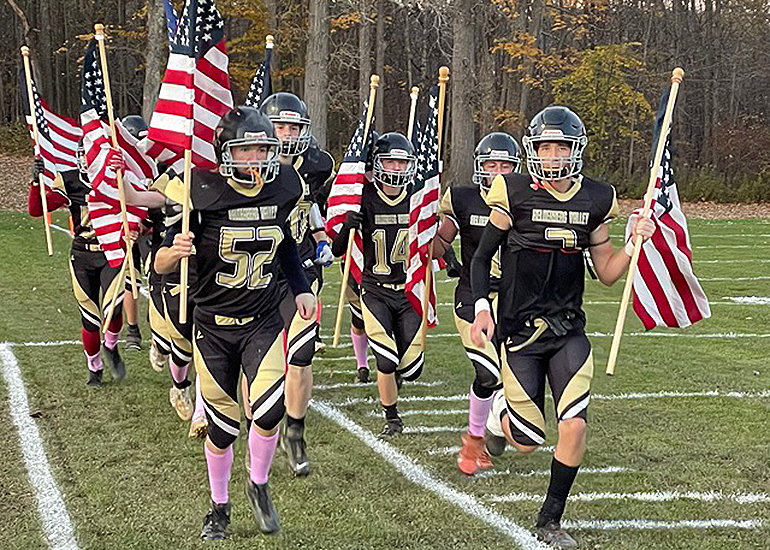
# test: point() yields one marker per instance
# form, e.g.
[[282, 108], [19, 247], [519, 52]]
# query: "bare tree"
[[316, 69], [462, 87], [154, 57]]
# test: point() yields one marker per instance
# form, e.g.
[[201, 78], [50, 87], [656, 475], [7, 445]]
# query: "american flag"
[[195, 91], [345, 194], [666, 291], [261, 84], [171, 20], [423, 209], [104, 199], [58, 135]]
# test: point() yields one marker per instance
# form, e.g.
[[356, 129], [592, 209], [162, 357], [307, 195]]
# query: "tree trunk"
[[381, 43], [462, 84], [364, 50], [155, 55], [316, 68]]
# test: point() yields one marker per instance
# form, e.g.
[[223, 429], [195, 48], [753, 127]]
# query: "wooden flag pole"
[[412, 111], [676, 78], [99, 35], [119, 287], [374, 81], [184, 266], [31, 99], [443, 78]]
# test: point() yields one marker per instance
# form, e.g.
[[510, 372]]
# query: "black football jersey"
[[237, 233], [385, 236], [543, 268], [466, 207], [315, 167], [77, 192]]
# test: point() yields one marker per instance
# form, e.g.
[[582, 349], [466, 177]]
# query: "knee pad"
[[218, 436], [301, 347], [482, 389], [268, 410], [413, 370]]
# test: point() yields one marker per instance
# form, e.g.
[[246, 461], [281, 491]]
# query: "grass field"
[[678, 445]]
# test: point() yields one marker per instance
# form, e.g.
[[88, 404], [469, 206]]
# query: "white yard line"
[[359, 384], [545, 473], [433, 429], [749, 300], [454, 449], [418, 475], [426, 412], [652, 496], [646, 524], [50, 504]]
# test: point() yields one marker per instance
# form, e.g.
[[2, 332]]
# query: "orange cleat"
[[473, 455]]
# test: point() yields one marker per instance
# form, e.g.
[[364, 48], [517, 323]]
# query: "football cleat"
[[472, 455], [114, 362], [363, 375], [293, 443], [182, 402], [94, 378], [216, 521], [494, 437], [157, 359], [133, 338], [199, 427], [393, 427], [554, 536], [265, 513]]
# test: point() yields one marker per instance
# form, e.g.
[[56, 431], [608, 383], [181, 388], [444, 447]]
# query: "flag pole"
[[374, 81], [33, 116], [443, 78], [120, 287], [412, 111], [676, 78], [184, 266], [99, 35]]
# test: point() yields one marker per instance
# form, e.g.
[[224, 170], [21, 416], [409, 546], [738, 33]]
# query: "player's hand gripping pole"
[[676, 78], [31, 100], [413, 95], [374, 81], [443, 78], [99, 35]]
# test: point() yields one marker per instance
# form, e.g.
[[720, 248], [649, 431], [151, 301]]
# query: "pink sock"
[[178, 374], [261, 450], [94, 361], [477, 414], [111, 339], [198, 399], [360, 345], [219, 466]]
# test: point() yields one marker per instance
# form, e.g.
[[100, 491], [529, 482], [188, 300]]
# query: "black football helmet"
[[555, 124], [288, 108], [135, 125], [494, 146], [246, 126], [393, 145]]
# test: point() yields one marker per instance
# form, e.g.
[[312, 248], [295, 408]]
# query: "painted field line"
[[359, 384], [652, 496], [646, 524], [758, 278], [749, 300], [41, 344], [594, 397], [58, 228], [50, 504], [544, 473], [681, 335], [454, 449], [426, 412], [418, 475], [345, 358], [745, 261], [433, 429]]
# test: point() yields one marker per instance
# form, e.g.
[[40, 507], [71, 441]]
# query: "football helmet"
[[555, 124], [246, 126], [135, 125], [494, 146], [288, 108], [393, 145]]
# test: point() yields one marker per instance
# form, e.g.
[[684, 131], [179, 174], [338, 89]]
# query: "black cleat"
[[494, 443], [264, 512], [133, 338], [216, 521], [554, 536], [393, 427], [363, 375], [293, 444], [94, 378], [114, 362]]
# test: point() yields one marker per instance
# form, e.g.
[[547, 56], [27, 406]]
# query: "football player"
[[291, 123], [545, 220], [240, 231], [465, 213], [89, 268], [392, 324]]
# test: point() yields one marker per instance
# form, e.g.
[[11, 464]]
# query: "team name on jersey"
[[391, 219], [478, 221], [559, 216], [252, 213]]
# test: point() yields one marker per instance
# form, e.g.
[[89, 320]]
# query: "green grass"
[[132, 479]]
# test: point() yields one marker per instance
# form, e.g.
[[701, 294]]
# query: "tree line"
[[608, 60]]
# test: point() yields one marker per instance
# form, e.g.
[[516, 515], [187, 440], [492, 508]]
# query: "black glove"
[[353, 220], [560, 323], [38, 167]]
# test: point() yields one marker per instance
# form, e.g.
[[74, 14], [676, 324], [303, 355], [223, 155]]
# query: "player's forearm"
[[611, 265], [291, 265], [166, 260], [149, 199]]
